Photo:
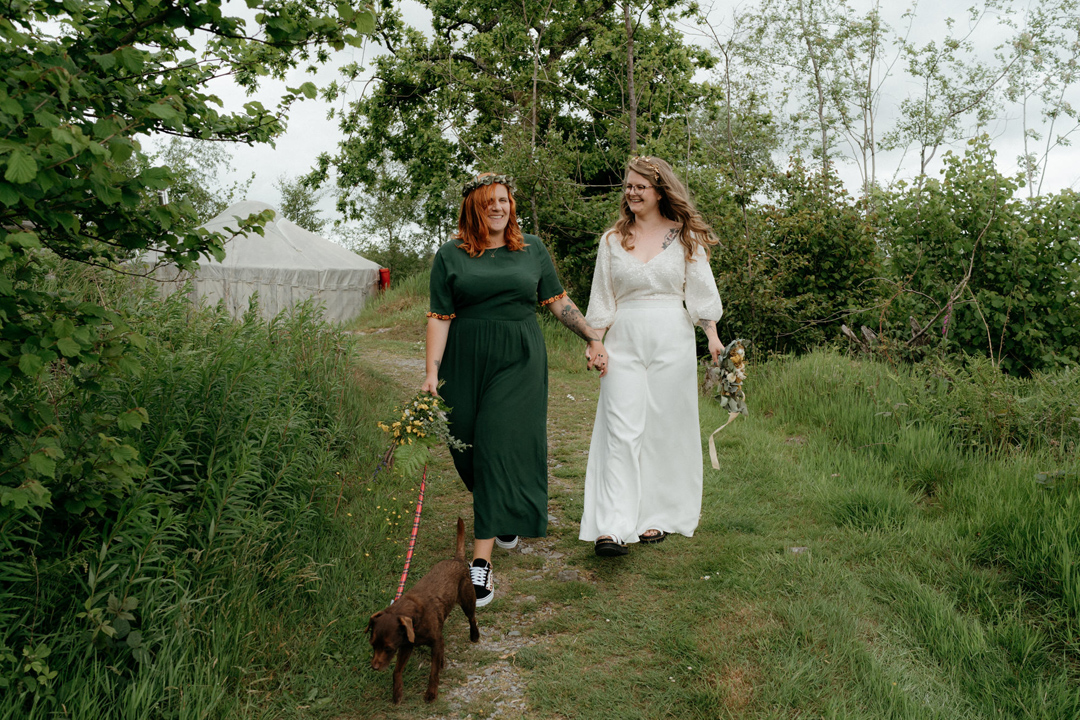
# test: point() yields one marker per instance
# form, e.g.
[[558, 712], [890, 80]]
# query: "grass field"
[[853, 560], [873, 547]]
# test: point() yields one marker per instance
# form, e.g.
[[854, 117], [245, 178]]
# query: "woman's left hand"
[[597, 356], [715, 348]]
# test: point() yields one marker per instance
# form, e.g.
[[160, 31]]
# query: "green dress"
[[495, 373]]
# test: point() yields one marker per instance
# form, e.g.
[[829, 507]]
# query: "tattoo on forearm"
[[438, 364], [707, 325], [572, 318], [672, 236]]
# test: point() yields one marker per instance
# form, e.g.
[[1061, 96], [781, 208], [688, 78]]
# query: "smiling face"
[[641, 196], [497, 212]]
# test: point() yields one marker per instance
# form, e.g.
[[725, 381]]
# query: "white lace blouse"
[[621, 277]]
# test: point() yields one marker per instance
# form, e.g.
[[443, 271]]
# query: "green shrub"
[[981, 407], [183, 511], [1018, 305]]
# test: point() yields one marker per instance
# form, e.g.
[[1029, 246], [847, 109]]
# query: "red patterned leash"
[[412, 537]]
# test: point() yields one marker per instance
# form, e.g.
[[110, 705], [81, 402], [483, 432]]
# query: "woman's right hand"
[[431, 385]]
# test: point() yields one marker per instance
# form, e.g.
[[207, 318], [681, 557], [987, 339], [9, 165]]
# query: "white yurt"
[[286, 265]]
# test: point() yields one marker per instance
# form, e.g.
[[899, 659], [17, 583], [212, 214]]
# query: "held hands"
[[597, 356]]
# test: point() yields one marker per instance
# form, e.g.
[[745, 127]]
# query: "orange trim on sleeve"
[[451, 316], [553, 299]]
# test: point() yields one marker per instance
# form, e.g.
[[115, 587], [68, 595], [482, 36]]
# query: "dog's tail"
[[460, 554]]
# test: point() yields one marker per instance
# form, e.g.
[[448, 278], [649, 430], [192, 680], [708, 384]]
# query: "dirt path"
[[484, 680]]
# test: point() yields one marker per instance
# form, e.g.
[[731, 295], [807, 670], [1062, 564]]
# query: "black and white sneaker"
[[506, 542], [483, 581]]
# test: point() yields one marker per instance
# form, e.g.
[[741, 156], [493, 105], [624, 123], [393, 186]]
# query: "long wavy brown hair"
[[473, 227], [675, 205]]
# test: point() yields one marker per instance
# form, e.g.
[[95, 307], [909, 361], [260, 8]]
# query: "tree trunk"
[[819, 86], [632, 97]]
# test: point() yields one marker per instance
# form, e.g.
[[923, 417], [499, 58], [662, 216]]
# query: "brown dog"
[[417, 618]]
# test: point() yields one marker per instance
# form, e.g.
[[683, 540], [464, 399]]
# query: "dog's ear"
[[371, 622], [407, 622]]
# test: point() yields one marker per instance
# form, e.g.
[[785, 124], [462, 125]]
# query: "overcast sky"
[[311, 133]]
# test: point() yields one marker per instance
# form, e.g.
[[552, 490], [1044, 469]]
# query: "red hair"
[[473, 227]]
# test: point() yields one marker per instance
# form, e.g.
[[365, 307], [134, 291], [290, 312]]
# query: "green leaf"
[[163, 111], [365, 22], [12, 107], [132, 419], [30, 364], [134, 639], [24, 239], [345, 10], [122, 627], [68, 347], [21, 168], [8, 194], [309, 90], [42, 465], [107, 62], [124, 453], [29, 494], [63, 327]]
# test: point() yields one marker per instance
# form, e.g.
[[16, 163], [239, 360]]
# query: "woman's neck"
[[495, 240], [651, 221]]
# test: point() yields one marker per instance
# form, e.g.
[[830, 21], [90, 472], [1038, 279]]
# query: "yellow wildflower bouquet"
[[421, 424]]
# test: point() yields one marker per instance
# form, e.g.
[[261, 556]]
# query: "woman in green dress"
[[484, 344]]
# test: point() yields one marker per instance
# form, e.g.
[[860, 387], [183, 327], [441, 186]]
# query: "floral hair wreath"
[[488, 180], [646, 159]]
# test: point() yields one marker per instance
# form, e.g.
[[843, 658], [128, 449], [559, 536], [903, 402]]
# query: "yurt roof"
[[283, 244]]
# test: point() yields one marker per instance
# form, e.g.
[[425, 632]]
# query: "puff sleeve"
[[601, 312], [442, 297], [702, 297]]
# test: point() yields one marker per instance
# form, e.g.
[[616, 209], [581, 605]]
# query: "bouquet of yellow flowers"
[[421, 424]]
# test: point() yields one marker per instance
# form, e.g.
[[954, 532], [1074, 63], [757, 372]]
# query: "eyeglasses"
[[637, 188]]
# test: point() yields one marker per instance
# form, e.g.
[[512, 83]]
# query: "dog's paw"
[[474, 635], [430, 695]]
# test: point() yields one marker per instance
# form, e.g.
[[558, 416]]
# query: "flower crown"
[[488, 180], [647, 160]]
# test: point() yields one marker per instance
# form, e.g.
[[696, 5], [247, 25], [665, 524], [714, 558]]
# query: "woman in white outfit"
[[651, 285]]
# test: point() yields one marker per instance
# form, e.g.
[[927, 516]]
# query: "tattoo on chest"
[[672, 236]]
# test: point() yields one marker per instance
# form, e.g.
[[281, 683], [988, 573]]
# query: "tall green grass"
[[898, 439], [182, 594]]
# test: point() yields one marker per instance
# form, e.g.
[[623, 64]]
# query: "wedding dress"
[[645, 464]]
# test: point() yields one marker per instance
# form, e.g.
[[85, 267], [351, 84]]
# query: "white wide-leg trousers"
[[644, 469]]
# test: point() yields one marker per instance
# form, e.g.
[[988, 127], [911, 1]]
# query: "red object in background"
[[384, 278]]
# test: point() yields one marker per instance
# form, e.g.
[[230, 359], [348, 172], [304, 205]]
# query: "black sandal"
[[652, 539], [610, 546]]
